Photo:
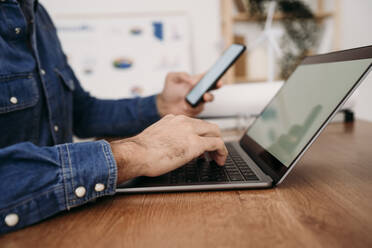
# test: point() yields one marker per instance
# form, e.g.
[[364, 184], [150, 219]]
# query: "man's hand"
[[172, 99], [166, 145]]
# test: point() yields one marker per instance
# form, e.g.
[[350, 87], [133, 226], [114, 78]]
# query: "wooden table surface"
[[325, 202]]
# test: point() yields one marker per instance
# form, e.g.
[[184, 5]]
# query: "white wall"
[[356, 20]]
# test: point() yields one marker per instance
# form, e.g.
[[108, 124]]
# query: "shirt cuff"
[[80, 172], [147, 110], [89, 171]]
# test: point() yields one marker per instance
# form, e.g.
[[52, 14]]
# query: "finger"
[[208, 97], [218, 159], [217, 149], [203, 128], [219, 84], [197, 78], [192, 111]]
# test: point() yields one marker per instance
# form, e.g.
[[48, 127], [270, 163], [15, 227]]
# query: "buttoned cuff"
[[147, 110], [53, 179], [89, 171]]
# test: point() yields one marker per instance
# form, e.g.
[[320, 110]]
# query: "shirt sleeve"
[[38, 182], [95, 117]]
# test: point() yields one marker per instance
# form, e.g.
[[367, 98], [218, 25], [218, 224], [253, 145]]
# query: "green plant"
[[301, 30]]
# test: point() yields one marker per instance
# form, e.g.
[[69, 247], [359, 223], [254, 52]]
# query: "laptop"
[[280, 135]]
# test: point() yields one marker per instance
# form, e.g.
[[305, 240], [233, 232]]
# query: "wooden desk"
[[325, 202]]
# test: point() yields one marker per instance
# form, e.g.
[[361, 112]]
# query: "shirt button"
[[80, 191], [99, 187], [11, 219], [42, 72], [17, 30], [13, 100], [56, 128]]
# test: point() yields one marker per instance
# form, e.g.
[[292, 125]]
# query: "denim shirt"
[[41, 106]]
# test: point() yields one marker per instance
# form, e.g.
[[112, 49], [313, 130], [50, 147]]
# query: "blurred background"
[[125, 48]]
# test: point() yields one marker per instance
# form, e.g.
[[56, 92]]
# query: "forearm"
[[112, 118], [38, 182], [94, 117]]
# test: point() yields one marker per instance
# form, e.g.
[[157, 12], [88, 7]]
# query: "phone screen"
[[215, 73]]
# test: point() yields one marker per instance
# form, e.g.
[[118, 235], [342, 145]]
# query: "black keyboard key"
[[236, 177], [204, 178], [250, 177]]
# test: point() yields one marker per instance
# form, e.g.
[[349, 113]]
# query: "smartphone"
[[210, 79]]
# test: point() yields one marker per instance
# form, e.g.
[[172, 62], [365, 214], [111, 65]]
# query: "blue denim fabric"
[[41, 106]]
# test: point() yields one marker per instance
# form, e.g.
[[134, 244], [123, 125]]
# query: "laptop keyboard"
[[200, 170]]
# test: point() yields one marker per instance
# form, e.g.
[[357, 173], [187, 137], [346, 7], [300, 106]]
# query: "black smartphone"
[[210, 79]]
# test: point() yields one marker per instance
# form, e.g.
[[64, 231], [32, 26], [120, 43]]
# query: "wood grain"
[[325, 202]]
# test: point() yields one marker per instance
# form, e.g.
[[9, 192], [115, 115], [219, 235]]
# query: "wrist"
[[161, 105], [126, 154]]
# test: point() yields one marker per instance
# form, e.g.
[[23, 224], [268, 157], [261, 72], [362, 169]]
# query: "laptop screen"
[[299, 110]]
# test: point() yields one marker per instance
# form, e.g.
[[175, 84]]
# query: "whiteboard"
[[126, 56]]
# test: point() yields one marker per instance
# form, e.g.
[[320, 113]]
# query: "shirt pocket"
[[66, 78], [19, 115], [17, 92]]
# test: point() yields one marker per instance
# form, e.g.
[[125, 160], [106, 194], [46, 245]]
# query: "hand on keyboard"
[[166, 145]]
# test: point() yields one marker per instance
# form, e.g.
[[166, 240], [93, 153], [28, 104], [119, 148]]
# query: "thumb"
[[183, 77], [197, 78]]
